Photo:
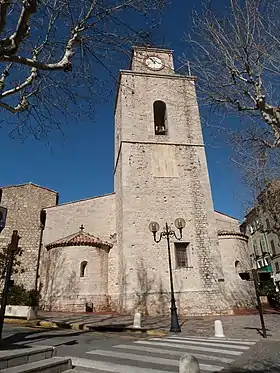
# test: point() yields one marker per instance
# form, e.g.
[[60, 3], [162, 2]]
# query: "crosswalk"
[[159, 355]]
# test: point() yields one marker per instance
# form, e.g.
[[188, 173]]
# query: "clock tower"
[[161, 174]]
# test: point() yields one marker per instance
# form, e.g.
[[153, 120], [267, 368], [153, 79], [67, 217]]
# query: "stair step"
[[53, 365], [20, 356]]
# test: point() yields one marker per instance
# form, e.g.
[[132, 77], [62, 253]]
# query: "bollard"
[[137, 320], [188, 364], [219, 329]]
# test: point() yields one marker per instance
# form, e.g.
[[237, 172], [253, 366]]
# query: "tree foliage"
[[50, 50], [236, 56], [4, 257], [19, 296]]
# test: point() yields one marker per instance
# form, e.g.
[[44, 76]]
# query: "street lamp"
[[167, 233]]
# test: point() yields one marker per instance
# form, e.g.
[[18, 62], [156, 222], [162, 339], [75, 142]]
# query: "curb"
[[157, 333], [48, 324], [82, 327], [22, 322]]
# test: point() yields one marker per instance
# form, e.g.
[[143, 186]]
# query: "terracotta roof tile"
[[80, 239], [232, 233]]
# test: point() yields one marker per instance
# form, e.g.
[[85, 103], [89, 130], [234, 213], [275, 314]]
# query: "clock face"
[[154, 63]]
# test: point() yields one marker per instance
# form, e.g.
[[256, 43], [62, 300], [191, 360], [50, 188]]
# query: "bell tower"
[[161, 174]]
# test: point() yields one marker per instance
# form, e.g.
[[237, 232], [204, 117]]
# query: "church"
[[99, 252]]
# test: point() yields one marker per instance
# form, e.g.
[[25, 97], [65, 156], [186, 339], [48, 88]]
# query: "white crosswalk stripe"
[[200, 343], [217, 340], [157, 355], [174, 353], [196, 348], [148, 359]]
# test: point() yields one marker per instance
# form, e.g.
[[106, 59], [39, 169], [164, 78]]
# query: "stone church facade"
[[100, 250]]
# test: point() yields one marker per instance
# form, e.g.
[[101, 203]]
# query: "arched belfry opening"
[[160, 117]]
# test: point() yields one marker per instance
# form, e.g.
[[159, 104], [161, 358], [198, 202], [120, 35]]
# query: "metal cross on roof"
[[82, 228]]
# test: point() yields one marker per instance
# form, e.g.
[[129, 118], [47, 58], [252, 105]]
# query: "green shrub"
[[19, 296]]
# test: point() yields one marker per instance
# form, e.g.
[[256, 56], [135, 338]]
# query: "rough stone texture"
[[139, 56], [96, 214], [157, 178], [63, 287], [235, 260], [24, 204], [98, 218], [235, 255], [226, 223], [160, 178]]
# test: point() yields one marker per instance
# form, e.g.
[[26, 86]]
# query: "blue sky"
[[79, 163]]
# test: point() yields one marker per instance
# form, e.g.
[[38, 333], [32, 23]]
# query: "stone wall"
[[63, 287], [157, 178], [160, 178], [139, 55], [25, 203], [235, 254], [98, 218], [97, 215], [226, 223]]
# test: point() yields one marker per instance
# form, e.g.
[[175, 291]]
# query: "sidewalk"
[[110, 322], [264, 357], [237, 327]]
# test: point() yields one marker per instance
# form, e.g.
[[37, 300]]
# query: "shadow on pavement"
[[259, 330], [12, 341]]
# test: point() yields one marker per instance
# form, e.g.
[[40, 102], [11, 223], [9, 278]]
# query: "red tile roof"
[[232, 233], [80, 239]]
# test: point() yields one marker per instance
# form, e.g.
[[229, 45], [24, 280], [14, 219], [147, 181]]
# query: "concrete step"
[[52, 365], [20, 356]]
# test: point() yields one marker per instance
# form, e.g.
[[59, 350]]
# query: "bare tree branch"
[[4, 75], [11, 44], [21, 86], [4, 5], [236, 57], [51, 52]]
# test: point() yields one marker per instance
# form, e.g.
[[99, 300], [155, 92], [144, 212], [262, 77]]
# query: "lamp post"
[[260, 308], [167, 233], [256, 281]]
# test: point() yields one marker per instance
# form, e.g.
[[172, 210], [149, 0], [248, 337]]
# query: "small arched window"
[[237, 266], [243, 275], [83, 269], [160, 118]]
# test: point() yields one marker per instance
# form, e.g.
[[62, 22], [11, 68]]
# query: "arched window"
[[243, 275], [237, 266], [83, 269], [160, 118]]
